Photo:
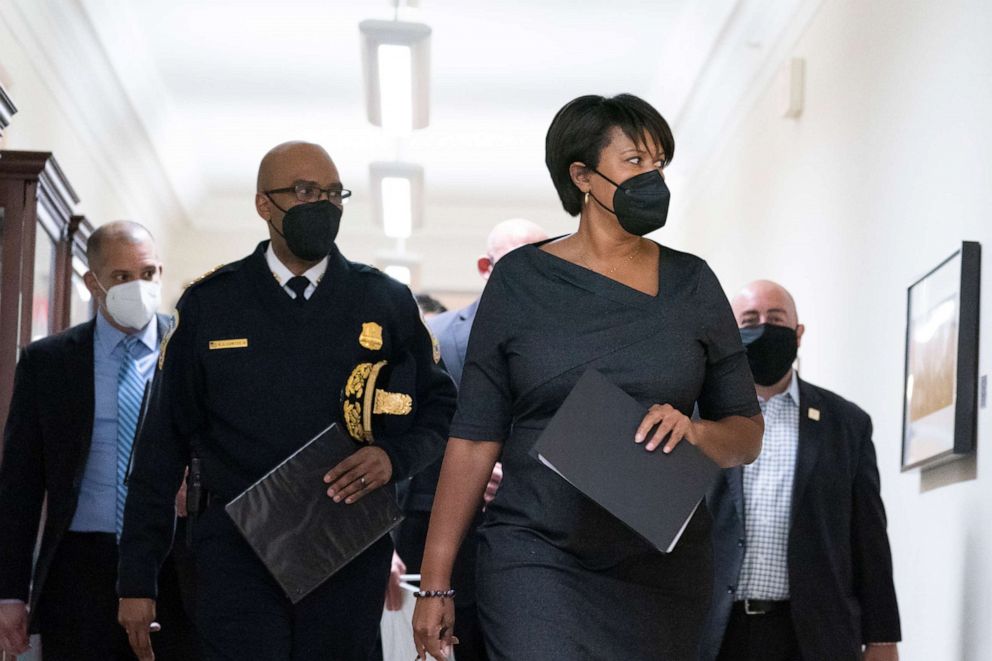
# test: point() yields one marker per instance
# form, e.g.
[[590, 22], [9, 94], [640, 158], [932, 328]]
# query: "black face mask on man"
[[310, 229], [771, 350], [639, 203]]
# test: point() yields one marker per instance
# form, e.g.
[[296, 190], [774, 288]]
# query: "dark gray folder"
[[590, 443], [301, 535]]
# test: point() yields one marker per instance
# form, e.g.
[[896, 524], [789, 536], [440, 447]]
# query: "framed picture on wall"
[[941, 385]]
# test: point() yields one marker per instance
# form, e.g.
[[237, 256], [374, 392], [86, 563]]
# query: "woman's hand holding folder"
[[670, 422], [729, 442]]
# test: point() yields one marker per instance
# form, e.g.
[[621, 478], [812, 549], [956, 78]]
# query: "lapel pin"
[[814, 414]]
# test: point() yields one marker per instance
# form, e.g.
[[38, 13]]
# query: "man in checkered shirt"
[[802, 566]]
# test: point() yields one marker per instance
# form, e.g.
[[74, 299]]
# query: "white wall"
[[71, 104], [882, 177]]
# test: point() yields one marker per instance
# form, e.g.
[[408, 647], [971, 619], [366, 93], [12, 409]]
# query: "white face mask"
[[133, 304]]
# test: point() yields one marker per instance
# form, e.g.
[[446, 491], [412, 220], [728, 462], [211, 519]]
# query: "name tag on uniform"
[[240, 343]]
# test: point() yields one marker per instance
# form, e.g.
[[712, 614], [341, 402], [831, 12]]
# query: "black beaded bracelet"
[[442, 594]]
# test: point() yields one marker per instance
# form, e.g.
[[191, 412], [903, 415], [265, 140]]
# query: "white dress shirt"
[[283, 274]]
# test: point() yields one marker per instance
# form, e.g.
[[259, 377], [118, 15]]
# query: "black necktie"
[[298, 284]]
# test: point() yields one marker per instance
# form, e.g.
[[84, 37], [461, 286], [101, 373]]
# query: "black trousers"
[[77, 613], [242, 613], [769, 637]]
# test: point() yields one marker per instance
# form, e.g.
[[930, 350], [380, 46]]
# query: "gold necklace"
[[583, 256]]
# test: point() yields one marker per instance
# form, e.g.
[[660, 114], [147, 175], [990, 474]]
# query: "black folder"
[[302, 536], [590, 443]]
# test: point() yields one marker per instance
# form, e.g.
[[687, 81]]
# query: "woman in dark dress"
[[559, 577]]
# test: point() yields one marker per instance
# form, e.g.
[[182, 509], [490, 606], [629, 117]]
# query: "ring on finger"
[[362, 480]]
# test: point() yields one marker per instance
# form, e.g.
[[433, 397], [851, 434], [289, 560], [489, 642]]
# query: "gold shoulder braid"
[[204, 276], [168, 336], [435, 345]]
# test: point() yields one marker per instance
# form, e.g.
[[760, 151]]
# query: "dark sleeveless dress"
[[559, 577]]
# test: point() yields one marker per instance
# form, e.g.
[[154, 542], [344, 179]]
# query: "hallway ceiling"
[[178, 101], [239, 77], [217, 83]]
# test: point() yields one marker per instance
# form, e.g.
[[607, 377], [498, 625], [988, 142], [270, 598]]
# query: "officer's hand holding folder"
[[302, 535], [590, 443]]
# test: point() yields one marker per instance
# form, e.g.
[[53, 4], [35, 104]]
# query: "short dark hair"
[[581, 130], [429, 305]]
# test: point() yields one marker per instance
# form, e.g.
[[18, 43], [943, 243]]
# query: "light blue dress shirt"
[[96, 506]]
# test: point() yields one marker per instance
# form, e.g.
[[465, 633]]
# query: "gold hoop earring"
[[586, 200]]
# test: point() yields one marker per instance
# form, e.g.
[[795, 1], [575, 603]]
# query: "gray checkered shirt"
[[768, 500]]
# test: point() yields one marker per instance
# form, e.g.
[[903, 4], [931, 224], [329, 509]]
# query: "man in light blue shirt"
[[67, 443], [95, 508]]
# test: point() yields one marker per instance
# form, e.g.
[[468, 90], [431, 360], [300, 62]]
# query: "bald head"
[[294, 161], [118, 253], [282, 169], [765, 302], [112, 237], [506, 236], [511, 234]]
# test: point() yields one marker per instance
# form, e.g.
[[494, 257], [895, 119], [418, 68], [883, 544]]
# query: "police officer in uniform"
[[259, 355]]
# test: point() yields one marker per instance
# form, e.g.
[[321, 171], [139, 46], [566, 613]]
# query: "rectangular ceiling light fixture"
[[400, 272], [398, 194], [396, 71], [404, 267]]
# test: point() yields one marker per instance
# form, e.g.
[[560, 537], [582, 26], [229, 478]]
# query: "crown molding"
[[746, 43], [7, 110], [59, 41]]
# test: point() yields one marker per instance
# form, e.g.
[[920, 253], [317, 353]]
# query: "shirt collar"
[[283, 274], [792, 391], [107, 337]]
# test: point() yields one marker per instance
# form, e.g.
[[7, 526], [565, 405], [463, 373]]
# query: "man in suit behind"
[[67, 439], [802, 565], [452, 331]]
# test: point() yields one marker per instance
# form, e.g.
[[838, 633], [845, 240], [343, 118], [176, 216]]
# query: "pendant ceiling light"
[[396, 71]]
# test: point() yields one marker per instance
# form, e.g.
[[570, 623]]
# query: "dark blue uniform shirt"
[[248, 376]]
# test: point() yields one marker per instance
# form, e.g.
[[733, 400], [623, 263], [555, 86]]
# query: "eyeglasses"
[[308, 191]]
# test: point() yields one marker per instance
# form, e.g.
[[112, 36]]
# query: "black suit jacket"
[[46, 444], [840, 564]]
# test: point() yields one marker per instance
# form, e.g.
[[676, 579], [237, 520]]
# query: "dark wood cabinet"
[[42, 246]]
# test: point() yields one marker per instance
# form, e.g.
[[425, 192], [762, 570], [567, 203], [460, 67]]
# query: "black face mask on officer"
[[639, 203], [771, 350], [310, 229]]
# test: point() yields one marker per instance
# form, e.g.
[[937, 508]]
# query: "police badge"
[[371, 337]]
